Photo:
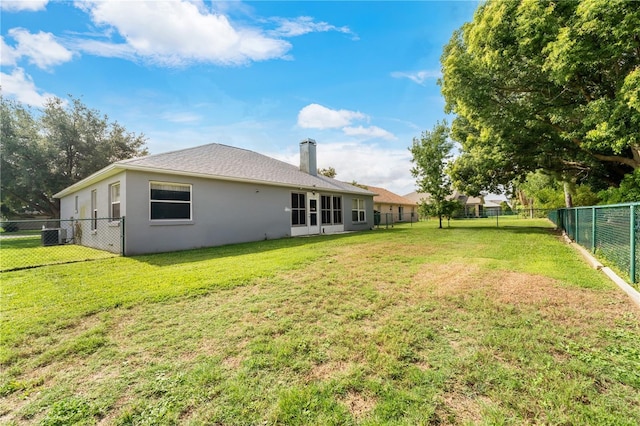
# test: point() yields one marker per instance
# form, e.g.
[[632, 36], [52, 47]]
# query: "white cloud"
[[8, 55], [21, 86], [418, 76], [42, 49], [304, 25], [178, 33], [368, 132], [366, 164], [23, 5], [315, 116], [103, 48]]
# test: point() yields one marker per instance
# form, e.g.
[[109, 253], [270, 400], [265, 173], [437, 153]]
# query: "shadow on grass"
[[20, 242], [240, 249]]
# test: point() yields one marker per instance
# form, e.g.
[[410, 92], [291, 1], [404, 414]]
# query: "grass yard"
[[412, 325], [26, 251]]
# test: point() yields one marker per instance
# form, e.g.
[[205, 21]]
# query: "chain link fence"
[[611, 232], [31, 243]]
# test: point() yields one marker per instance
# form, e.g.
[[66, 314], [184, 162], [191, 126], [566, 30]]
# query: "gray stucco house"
[[213, 195]]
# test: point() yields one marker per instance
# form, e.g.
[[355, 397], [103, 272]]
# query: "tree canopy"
[[45, 151], [328, 172], [430, 153], [551, 86]]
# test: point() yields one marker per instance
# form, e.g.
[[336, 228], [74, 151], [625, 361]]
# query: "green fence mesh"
[[612, 232]]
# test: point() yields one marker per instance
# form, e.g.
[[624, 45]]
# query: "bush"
[[10, 227]]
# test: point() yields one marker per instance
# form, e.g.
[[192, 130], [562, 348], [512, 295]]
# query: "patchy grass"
[[411, 325]]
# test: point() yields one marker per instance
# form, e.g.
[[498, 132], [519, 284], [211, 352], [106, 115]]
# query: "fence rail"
[[31, 243], [612, 232]]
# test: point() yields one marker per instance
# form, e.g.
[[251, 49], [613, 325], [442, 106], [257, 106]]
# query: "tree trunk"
[[440, 218], [568, 199]]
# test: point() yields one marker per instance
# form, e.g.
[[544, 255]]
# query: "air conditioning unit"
[[53, 236]]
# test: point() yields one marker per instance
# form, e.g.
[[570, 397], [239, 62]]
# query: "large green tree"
[[430, 154], [45, 151], [539, 85]]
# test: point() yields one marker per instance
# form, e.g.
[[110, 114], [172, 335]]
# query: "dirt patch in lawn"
[[524, 291], [359, 405]]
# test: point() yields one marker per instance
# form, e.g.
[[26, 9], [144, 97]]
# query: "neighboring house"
[[473, 206], [492, 207], [213, 195], [393, 207]]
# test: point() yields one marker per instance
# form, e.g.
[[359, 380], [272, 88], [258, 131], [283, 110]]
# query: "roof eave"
[[101, 174], [119, 167]]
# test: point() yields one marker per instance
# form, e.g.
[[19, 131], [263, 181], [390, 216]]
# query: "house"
[[213, 195], [393, 207], [492, 208], [473, 206]]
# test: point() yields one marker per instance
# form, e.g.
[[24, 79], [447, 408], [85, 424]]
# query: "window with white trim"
[[298, 209], [114, 194], [337, 210], [94, 209], [169, 201], [358, 212], [76, 204], [331, 209]]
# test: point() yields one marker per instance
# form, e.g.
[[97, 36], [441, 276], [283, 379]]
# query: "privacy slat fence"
[[612, 232]]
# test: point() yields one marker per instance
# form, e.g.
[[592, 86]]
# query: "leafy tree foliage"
[[628, 192], [43, 152], [542, 191], [430, 154], [545, 85], [329, 172]]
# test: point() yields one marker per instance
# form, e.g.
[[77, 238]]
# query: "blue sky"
[[358, 77]]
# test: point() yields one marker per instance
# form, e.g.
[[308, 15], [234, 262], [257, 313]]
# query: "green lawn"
[[471, 324], [26, 251]]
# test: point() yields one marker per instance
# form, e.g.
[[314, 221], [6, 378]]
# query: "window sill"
[[170, 222], [114, 223]]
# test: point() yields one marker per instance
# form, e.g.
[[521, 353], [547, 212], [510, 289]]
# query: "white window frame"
[[76, 203], [335, 210], [358, 206], [94, 209], [300, 209], [113, 202], [332, 210], [178, 184]]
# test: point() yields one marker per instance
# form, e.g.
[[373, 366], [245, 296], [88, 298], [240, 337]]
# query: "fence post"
[[575, 235], [632, 236], [593, 229], [122, 239]]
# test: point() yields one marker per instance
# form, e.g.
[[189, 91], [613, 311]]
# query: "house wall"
[[107, 235], [385, 208], [223, 212], [347, 203]]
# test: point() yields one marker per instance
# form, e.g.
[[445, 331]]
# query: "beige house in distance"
[[393, 207], [473, 206]]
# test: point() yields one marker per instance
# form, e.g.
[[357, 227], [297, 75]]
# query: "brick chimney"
[[308, 163]]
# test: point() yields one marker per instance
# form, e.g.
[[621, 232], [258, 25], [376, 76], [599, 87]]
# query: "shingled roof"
[[387, 197], [222, 162]]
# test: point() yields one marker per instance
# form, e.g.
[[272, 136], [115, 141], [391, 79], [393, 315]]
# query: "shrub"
[[10, 227]]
